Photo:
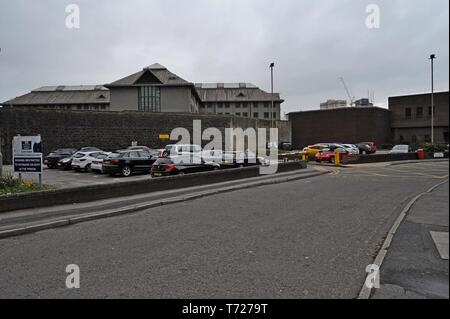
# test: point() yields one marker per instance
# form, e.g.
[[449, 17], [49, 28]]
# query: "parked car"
[[314, 149], [82, 161], [400, 149], [364, 148], [66, 163], [352, 148], [214, 156], [97, 163], [165, 166], [285, 146], [242, 159], [52, 159], [328, 154], [128, 162], [182, 149], [373, 147]]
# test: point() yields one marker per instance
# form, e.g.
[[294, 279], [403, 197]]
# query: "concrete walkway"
[[416, 265]]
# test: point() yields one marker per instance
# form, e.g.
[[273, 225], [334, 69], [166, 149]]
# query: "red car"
[[373, 147], [327, 154]]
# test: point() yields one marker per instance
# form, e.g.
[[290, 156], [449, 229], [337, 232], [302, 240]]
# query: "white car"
[[183, 153], [351, 148], [83, 160], [400, 149], [213, 156], [97, 163]]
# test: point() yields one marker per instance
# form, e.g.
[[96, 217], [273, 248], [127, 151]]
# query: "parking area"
[[69, 178]]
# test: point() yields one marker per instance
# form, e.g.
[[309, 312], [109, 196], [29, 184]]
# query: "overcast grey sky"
[[313, 43]]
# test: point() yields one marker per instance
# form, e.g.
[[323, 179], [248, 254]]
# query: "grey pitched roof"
[[234, 92], [83, 94], [158, 71]]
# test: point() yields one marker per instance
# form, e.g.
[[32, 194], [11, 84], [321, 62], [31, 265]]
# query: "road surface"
[[304, 239]]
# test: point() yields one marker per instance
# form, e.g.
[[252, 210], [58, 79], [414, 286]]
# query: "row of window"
[[221, 105], [415, 139], [266, 115], [74, 107], [419, 112]]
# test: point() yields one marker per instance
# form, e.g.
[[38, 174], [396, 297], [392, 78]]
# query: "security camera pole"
[[432, 57]]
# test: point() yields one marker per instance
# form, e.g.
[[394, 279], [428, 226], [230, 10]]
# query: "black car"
[[66, 162], [165, 166], [128, 162], [52, 159], [364, 148]]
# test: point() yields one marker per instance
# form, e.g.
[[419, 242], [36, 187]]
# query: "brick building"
[[411, 118], [341, 125]]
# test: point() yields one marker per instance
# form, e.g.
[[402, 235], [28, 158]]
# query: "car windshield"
[[400, 148], [79, 155], [163, 160]]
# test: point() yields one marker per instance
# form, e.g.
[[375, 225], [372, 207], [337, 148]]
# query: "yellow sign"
[[164, 136]]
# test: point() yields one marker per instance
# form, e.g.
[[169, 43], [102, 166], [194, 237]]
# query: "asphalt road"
[[303, 239]]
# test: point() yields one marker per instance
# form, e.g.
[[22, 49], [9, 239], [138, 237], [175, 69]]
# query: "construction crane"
[[351, 99]]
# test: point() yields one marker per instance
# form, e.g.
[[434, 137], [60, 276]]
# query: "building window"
[[266, 105], [238, 114], [220, 105], [245, 114], [266, 115], [408, 112], [227, 106], [255, 115], [274, 115], [427, 139], [429, 110], [255, 105], [149, 99], [419, 112], [238, 105], [244, 105]]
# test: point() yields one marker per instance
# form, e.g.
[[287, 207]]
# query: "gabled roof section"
[[147, 77], [63, 94], [153, 74]]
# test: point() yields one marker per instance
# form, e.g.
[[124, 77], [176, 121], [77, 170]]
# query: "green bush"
[[12, 185], [428, 147], [9, 182]]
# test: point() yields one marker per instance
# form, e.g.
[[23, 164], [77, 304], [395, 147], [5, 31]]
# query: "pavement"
[[309, 238], [416, 265]]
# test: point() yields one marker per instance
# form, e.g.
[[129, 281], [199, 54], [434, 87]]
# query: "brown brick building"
[[411, 118], [345, 125]]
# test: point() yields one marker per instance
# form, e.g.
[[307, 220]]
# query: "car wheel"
[[88, 168], [181, 173], [126, 171]]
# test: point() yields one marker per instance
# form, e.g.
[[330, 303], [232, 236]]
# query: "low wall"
[[375, 158], [98, 192]]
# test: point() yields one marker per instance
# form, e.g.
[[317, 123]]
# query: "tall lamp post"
[[272, 65], [432, 58]]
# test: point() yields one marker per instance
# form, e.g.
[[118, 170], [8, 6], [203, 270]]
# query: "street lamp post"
[[432, 57], [271, 85]]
